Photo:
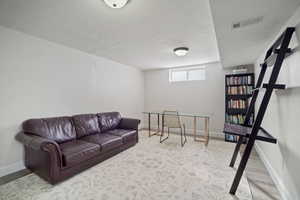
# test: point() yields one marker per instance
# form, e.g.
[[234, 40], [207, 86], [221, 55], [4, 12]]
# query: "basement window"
[[195, 73]]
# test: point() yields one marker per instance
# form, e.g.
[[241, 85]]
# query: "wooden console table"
[[197, 138]]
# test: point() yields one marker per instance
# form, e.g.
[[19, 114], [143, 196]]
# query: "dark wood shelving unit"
[[238, 91], [274, 57]]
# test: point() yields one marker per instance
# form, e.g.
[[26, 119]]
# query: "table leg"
[[149, 124], [162, 130], [195, 128], [158, 125], [204, 138], [162, 125], [206, 130]]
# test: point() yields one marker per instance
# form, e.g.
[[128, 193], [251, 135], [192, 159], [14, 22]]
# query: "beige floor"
[[148, 171], [261, 185]]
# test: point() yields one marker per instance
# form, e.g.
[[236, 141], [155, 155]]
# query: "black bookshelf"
[[238, 93]]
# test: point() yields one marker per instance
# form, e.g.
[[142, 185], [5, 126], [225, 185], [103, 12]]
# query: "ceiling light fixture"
[[116, 3], [181, 51]]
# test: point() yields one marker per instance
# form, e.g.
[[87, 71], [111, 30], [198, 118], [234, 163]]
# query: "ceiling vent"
[[247, 22]]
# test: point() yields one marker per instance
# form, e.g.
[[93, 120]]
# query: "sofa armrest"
[[38, 143], [128, 123]]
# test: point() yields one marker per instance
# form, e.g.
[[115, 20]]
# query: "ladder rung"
[[268, 135], [270, 61], [239, 130], [276, 86], [267, 86], [288, 51], [279, 40]]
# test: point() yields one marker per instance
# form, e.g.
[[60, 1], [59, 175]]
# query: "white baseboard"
[[5, 170], [275, 177], [213, 134]]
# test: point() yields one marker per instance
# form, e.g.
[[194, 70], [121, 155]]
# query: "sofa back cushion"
[[109, 120], [86, 124], [59, 129]]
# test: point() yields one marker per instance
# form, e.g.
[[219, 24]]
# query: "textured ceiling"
[[245, 45], [143, 34]]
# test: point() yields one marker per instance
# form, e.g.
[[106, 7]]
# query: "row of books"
[[231, 138], [239, 80], [239, 90], [237, 104], [237, 119]]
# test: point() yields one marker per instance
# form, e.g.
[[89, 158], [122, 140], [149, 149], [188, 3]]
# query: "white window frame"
[[187, 70]]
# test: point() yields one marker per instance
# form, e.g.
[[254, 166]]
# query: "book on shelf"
[[239, 90], [237, 119], [239, 80], [231, 138], [237, 104]]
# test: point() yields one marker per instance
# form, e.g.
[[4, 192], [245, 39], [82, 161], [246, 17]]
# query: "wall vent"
[[247, 22]]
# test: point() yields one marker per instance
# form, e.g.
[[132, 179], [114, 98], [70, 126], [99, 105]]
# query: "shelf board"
[[236, 85], [268, 86], [232, 141], [236, 111], [234, 129], [239, 75], [235, 141], [236, 96]]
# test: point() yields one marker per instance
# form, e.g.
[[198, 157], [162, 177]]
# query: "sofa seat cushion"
[[76, 151], [127, 135], [106, 141]]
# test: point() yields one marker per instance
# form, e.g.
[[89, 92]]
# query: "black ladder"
[[274, 57]]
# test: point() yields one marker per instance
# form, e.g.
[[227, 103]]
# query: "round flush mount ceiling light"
[[181, 51], [116, 3]]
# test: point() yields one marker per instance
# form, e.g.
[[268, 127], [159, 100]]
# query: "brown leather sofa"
[[58, 148]]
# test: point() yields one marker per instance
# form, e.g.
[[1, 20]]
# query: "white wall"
[[203, 97], [282, 121], [41, 79]]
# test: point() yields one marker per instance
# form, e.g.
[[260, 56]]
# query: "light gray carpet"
[[148, 171]]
